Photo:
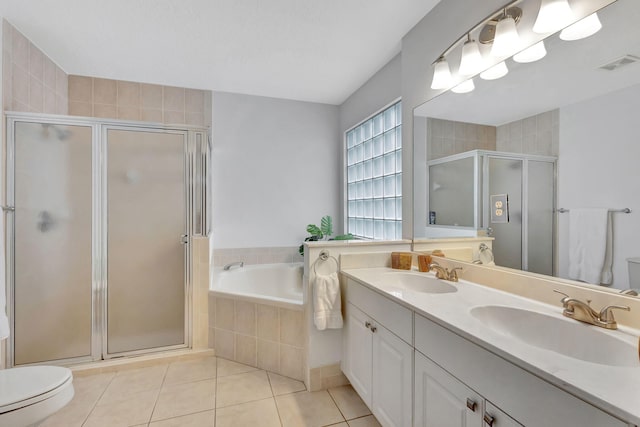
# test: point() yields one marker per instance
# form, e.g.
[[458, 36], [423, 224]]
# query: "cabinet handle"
[[471, 405], [488, 419], [367, 324], [373, 329]]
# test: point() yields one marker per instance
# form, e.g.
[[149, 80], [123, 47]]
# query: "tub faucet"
[[233, 264]]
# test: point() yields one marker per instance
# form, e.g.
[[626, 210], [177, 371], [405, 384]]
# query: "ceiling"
[[317, 51]]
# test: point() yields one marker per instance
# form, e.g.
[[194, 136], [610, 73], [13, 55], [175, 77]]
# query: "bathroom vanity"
[[427, 352]]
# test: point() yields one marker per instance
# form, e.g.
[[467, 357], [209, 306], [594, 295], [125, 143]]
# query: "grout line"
[[337, 406], [98, 399], [273, 396], [215, 395]]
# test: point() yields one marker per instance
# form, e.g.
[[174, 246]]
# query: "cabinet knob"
[[471, 405], [488, 419], [373, 329], [367, 324]]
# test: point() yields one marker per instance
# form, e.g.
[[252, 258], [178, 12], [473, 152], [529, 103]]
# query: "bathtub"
[[272, 284]]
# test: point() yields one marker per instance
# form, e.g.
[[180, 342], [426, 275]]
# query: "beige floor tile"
[[349, 402], [185, 398], [135, 410], [261, 413], [308, 409], [339, 425], [133, 381], [368, 421], [186, 371], [241, 388], [200, 419], [228, 367], [283, 385]]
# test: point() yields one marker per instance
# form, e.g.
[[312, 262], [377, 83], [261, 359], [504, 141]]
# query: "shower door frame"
[[193, 135]]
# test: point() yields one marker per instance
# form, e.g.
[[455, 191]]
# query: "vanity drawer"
[[393, 316], [525, 397]]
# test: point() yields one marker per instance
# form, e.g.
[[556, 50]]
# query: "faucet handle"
[[606, 314], [453, 275], [563, 300]]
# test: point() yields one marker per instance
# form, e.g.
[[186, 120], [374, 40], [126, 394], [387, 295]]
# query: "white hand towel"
[[4, 320], [590, 246], [326, 302]]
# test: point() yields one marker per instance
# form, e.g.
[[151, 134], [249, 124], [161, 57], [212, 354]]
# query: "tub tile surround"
[[204, 391], [250, 256], [118, 99], [612, 389], [200, 272]]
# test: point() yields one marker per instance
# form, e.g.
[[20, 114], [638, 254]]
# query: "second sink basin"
[[564, 336], [415, 282]]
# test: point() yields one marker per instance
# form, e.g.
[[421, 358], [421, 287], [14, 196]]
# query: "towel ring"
[[324, 256]]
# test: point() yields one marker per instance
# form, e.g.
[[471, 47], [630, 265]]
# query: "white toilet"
[[634, 273], [30, 394]]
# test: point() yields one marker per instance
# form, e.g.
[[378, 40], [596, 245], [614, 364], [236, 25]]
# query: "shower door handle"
[[184, 239]]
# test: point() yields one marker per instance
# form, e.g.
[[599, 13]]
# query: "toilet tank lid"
[[634, 260], [18, 384]]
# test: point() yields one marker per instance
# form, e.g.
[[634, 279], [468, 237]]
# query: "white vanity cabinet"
[[376, 360]]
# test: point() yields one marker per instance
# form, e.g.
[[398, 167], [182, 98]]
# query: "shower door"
[[50, 187], [146, 203]]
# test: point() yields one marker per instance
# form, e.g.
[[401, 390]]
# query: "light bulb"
[[582, 29], [471, 60], [441, 75], [531, 54], [552, 16], [495, 72], [464, 87], [506, 40]]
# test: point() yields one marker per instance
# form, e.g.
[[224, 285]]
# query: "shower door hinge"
[[184, 239]]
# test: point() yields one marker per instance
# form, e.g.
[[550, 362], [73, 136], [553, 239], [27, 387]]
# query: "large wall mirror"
[[553, 135]]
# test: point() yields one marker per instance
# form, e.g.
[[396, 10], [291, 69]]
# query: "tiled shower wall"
[[117, 99], [31, 81], [539, 134], [447, 137]]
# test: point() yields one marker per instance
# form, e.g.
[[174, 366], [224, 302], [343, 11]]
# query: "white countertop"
[[614, 389]]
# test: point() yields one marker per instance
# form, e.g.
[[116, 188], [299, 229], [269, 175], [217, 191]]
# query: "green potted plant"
[[323, 232]]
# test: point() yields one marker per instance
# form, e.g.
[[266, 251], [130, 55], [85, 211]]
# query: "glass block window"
[[374, 176]]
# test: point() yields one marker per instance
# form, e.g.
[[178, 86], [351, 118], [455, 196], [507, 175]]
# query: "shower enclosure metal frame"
[[197, 190]]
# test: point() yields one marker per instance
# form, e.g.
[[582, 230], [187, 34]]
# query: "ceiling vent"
[[620, 62]]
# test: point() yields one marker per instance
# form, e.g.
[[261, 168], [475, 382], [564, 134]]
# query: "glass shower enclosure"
[[510, 195], [99, 236]]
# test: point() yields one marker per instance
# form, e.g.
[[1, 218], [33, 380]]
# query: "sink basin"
[[564, 336], [414, 283]]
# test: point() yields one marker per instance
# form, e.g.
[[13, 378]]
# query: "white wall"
[[598, 166], [276, 168]]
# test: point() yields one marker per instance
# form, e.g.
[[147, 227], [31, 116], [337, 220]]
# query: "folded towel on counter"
[[590, 246], [326, 302]]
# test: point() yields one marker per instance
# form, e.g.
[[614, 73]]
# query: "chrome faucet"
[[233, 264], [583, 312], [443, 273]]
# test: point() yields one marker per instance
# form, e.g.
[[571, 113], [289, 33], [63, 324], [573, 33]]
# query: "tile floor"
[[209, 392]]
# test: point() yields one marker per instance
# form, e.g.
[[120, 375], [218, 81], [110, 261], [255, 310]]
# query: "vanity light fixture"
[[582, 29], [464, 87], [471, 60], [531, 54], [506, 40], [495, 72], [552, 16], [442, 78]]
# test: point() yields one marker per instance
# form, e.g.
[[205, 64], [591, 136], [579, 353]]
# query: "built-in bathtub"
[[256, 317]]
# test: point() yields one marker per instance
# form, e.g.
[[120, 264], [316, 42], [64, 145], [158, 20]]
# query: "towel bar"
[[625, 210]]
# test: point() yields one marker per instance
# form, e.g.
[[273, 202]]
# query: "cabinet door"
[[392, 379], [441, 400], [494, 417], [357, 352]]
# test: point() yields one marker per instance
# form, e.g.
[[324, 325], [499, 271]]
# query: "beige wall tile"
[[105, 111], [62, 83], [80, 88], [36, 62], [7, 31], [173, 98], [20, 49], [245, 318], [18, 106], [225, 314], [80, 108], [334, 381], [49, 74], [105, 91], [224, 343], [211, 339], [291, 362], [268, 322], [149, 115], [212, 310], [269, 355], [36, 95], [20, 90], [62, 105], [49, 101], [315, 379], [128, 113], [195, 119], [194, 101], [151, 96], [173, 117], [291, 327], [246, 350], [128, 94]]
